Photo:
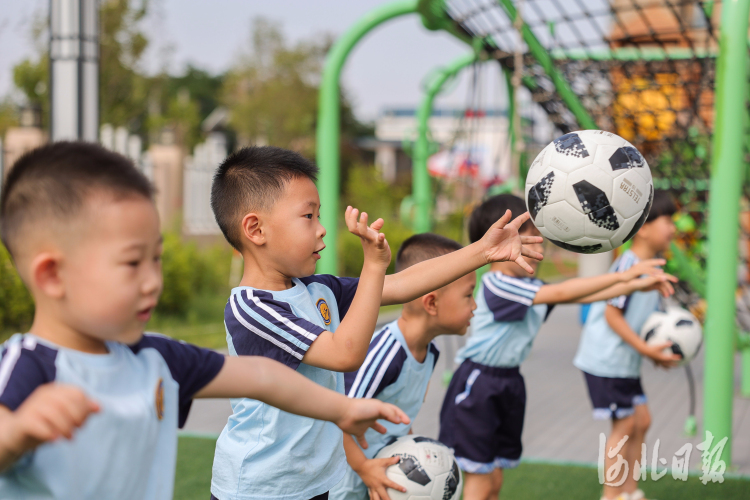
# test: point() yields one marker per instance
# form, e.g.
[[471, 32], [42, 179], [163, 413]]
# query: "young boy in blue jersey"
[[83, 230], [483, 411], [610, 350], [266, 204], [400, 362]]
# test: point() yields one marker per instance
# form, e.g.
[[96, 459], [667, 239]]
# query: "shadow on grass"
[[530, 481]]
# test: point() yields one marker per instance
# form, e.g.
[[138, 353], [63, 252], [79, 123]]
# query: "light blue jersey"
[[391, 374], [601, 351], [126, 451], [264, 453], [506, 321]]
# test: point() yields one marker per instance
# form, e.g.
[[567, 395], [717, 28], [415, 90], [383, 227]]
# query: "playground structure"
[[669, 76]]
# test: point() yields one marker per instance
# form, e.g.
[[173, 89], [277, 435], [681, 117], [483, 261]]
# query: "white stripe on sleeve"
[[381, 373], [285, 321], [366, 364], [507, 295], [8, 363], [263, 334]]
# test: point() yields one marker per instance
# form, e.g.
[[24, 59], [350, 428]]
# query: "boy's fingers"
[[519, 221], [503, 221], [373, 494], [527, 252], [378, 224], [378, 428], [528, 240], [395, 415], [362, 441], [526, 267]]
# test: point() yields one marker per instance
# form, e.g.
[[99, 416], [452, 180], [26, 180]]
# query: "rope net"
[[643, 69]]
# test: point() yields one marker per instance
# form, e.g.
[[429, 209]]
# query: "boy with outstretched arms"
[[611, 349], [400, 362], [483, 411], [89, 405], [266, 204]]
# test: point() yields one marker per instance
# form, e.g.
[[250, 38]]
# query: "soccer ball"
[[427, 469], [677, 326], [589, 191]]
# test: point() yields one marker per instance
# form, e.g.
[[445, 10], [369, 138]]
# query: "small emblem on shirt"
[[159, 399], [324, 311]]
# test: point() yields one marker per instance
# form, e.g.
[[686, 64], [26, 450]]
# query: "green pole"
[[511, 91], [327, 139], [421, 184], [723, 220], [545, 60]]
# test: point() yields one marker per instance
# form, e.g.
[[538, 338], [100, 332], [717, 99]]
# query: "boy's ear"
[[429, 302], [252, 228], [45, 275]]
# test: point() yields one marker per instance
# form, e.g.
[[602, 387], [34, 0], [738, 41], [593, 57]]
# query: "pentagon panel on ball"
[[589, 191]]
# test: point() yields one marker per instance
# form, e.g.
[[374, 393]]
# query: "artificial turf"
[[530, 481]]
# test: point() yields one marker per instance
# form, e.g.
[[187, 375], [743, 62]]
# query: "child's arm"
[[268, 381], [52, 411], [575, 289], [346, 350], [371, 471], [620, 326], [501, 243], [661, 283]]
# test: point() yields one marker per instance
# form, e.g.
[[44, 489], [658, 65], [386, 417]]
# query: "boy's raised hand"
[[503, 243], [659, 282], [374, 244], [649, 267], [362, 414], [52, 411]]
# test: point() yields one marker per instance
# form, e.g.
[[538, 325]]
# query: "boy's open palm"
[[503, 243], [52, 411], [362, 414], [372, 473], [374, 244]]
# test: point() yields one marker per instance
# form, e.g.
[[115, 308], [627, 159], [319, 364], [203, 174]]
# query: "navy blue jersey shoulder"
[[343, 289], [435, 353], [24, 366], [191, 367], [382, 366], [507, 297]]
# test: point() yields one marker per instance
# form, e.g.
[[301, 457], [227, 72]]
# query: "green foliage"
[[16, 305], [32, 78], [190, 272]]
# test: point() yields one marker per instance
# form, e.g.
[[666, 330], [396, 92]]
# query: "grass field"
[[531, 481]]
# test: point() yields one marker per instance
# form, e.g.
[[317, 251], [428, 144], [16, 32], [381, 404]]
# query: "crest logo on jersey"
[[324, 311], [159, 399]]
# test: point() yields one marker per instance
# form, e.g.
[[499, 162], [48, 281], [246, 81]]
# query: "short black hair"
[[423, 246], [54, 181], [491, 209], [663, 204], [253, 178]]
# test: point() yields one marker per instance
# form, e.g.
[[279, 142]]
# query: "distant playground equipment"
[[654, 74]]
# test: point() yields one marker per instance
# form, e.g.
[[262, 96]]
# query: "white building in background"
[[482, 138], [198, 176]]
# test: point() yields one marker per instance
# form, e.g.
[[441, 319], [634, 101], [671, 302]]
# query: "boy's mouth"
[[145, 314], [316, 253]]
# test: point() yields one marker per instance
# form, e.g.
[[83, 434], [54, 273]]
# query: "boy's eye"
[[134, 263], [309, 216]]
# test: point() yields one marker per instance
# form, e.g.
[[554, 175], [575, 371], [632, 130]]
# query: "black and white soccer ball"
[[589, 191], [678, 326], [427, 469]]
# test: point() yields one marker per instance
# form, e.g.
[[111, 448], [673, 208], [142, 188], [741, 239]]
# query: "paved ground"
[[559, 426]]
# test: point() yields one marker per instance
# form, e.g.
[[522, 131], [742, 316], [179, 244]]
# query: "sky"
[[386, 68]]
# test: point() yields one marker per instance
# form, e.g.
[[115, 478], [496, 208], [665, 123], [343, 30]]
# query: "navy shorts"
[[614, 397], [482, 417]]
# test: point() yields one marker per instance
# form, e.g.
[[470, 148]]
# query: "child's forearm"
[[355, 457], [574, 289], [429, 275], [271, 382], [617, 322], [10, 449], [611, 292]]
